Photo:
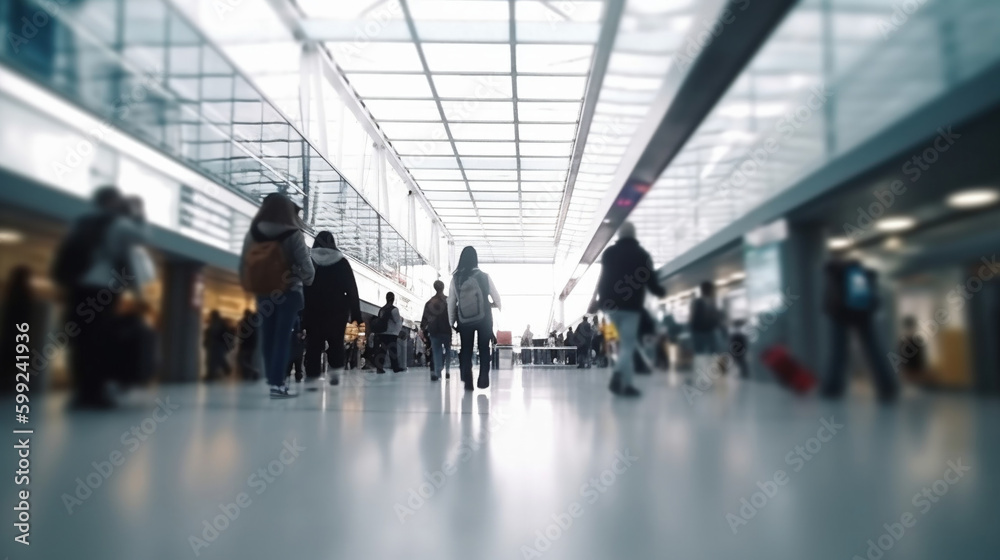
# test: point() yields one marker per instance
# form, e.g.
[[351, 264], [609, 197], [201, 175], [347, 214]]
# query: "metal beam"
[[684, 104], [437, 101], [599, 66], [289, 14]]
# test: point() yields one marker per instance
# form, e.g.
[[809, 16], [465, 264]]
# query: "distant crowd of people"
[[307, 297]]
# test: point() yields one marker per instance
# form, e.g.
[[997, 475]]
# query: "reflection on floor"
[[543, 464]]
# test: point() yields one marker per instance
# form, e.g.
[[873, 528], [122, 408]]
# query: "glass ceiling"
[[481, 99]]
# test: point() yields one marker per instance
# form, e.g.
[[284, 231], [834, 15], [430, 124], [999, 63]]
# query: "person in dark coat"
[[331, 302], [584, 336], [247, 352], [434, 325], [850, 300], [216, 347], [626, 273]]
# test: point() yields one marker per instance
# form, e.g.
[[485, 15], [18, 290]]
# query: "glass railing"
[[144, 69]]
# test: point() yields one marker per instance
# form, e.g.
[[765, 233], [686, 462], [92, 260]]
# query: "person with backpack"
[[470, 311], [434, 323], [274, 266], [850, 301], [91, 267], [386, 327], [627, 272], [706, 320], [331, 303]]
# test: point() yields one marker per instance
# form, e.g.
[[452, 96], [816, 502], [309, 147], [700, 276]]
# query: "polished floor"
[[545, 463]]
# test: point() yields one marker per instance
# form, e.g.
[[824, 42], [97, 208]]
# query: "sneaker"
[[434, 377], [616, 383], [282, 392], [630, 391]]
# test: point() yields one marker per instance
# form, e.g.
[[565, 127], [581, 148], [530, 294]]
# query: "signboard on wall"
[[209, 219]]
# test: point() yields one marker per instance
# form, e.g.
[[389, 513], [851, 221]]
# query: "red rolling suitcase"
[[788, 370]]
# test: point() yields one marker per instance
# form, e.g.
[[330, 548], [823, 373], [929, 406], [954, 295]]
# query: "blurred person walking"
[[470, 310], [597, 342], [705, 325], [275, 265], [215, 342], [331, 303], [739, 345], [246, 355], [386, 327], [625, 264], [526, 345], [850, 300], [584, 340], [91, 267], [434, 324], [297, 350]]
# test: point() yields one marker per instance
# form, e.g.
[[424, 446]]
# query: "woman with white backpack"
[[469, 311]]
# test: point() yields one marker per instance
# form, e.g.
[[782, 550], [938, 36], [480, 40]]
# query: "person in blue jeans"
[[626, 273], [276, 225], [434, 325]]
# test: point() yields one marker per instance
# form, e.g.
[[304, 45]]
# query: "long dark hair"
[[467, 262], [325, 240], [279, 209]]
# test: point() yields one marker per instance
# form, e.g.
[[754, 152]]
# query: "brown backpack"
[[265, 266]]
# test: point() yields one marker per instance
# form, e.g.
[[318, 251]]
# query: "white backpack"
[[473, 303]]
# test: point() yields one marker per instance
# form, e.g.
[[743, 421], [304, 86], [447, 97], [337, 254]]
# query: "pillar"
[[183, 291]]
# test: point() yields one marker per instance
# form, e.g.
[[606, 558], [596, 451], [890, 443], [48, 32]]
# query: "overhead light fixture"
[[721, 282], [737, 276], [893, 243], [837, 243], [10, 236], [898, 223], [973, 198]]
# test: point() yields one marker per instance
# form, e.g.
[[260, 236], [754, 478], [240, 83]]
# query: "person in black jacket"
[[584, 336], [850, 300], [216, 348], [626, 273], [331, 302], [705, 327], [434, 325]]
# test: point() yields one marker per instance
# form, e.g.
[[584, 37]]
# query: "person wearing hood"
[[469, 310], [275, 265], [626, 273], [331, 303]]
